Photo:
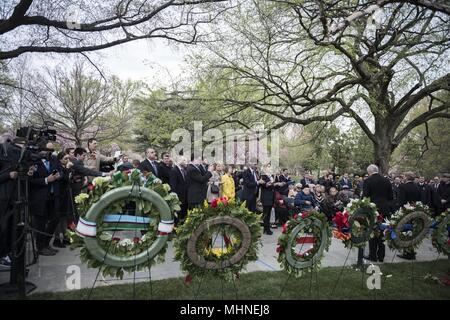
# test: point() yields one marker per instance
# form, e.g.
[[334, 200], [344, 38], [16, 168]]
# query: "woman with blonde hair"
[[228, 188]]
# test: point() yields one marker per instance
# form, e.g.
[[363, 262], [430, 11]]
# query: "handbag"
[[215, 189]]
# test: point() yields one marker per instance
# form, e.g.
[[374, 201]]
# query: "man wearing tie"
[[250, 190], [197, 180], [150, 164], [178, 184], [345, 181], [43, 190]]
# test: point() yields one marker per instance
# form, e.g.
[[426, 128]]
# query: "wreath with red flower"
[[218, 239], [109, 237], [310, 231], [356, 225]]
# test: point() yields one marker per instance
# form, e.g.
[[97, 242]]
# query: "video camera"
[[32, 140]]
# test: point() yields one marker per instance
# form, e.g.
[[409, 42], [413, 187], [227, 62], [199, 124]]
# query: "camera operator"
[[80, 173], [9, 157], [63, 200], [94, 160], [44, 191]]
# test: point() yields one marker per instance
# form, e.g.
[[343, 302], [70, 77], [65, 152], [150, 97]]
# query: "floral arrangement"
[[440, 237], [312, 223], [105, 235], [357, 223], [407, 228], [196, 238]]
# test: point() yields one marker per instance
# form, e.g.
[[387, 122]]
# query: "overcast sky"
[[156, 62]]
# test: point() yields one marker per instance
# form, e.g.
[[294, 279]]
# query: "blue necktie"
[[47, 166], [154, 168]]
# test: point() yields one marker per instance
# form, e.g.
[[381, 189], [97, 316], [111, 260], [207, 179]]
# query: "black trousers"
[[251, 204], [6, 225], [376, 248], [266, 217], [45, 222], [182, 213], [282, 215]]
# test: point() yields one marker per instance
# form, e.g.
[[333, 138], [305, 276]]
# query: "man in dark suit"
[[396, 193], [9, 156], [179, 185], [282, 182], [150, 165], [379, 190], [197, 179], [44, 189], [165, 167], [250, 187], [345, 181], [307, 180], [409, 192], [444, 192], [425, 192]]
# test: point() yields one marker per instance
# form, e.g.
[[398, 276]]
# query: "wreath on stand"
[[356, 225], [408, 227], [310, 231], [218, 240], [440, 237], [104, 219]]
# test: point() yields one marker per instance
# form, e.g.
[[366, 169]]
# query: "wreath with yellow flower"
[[124, 223], [440, 237], [218, 239], [303, 240]]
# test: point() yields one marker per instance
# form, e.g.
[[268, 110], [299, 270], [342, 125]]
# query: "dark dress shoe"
[[66, 241], [52, 249], [268, 232], [47, 252]]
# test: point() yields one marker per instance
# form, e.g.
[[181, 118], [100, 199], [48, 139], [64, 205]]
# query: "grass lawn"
[[269, 285]]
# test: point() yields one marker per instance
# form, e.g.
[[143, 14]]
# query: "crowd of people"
[[56, 179]]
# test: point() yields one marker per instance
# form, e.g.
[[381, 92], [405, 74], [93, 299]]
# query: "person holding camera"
[[44, 189], [9, 176], [93, 159]]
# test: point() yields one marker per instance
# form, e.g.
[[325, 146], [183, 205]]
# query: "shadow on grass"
[[396, 283]]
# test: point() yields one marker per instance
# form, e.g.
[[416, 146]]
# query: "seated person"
[[304, 199]]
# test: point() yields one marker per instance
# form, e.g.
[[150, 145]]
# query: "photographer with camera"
[[93, 159], [9, 174], [44, 190], [80, 174]]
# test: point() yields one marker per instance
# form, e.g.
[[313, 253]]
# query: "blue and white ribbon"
[[86, 228], [166, 226]]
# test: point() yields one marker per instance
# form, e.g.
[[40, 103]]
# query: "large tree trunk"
[[383, 147]]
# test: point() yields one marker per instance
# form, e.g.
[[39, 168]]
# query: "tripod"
[[20, 229]]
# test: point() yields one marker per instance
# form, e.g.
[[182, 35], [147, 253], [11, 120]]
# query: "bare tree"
[[281, 59], [70, 26], [82, 105]]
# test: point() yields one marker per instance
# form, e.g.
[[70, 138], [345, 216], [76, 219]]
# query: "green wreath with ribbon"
[[310, 231], [357, 224], [103, 216], [218, 239], [408, 227], [440, 237]]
